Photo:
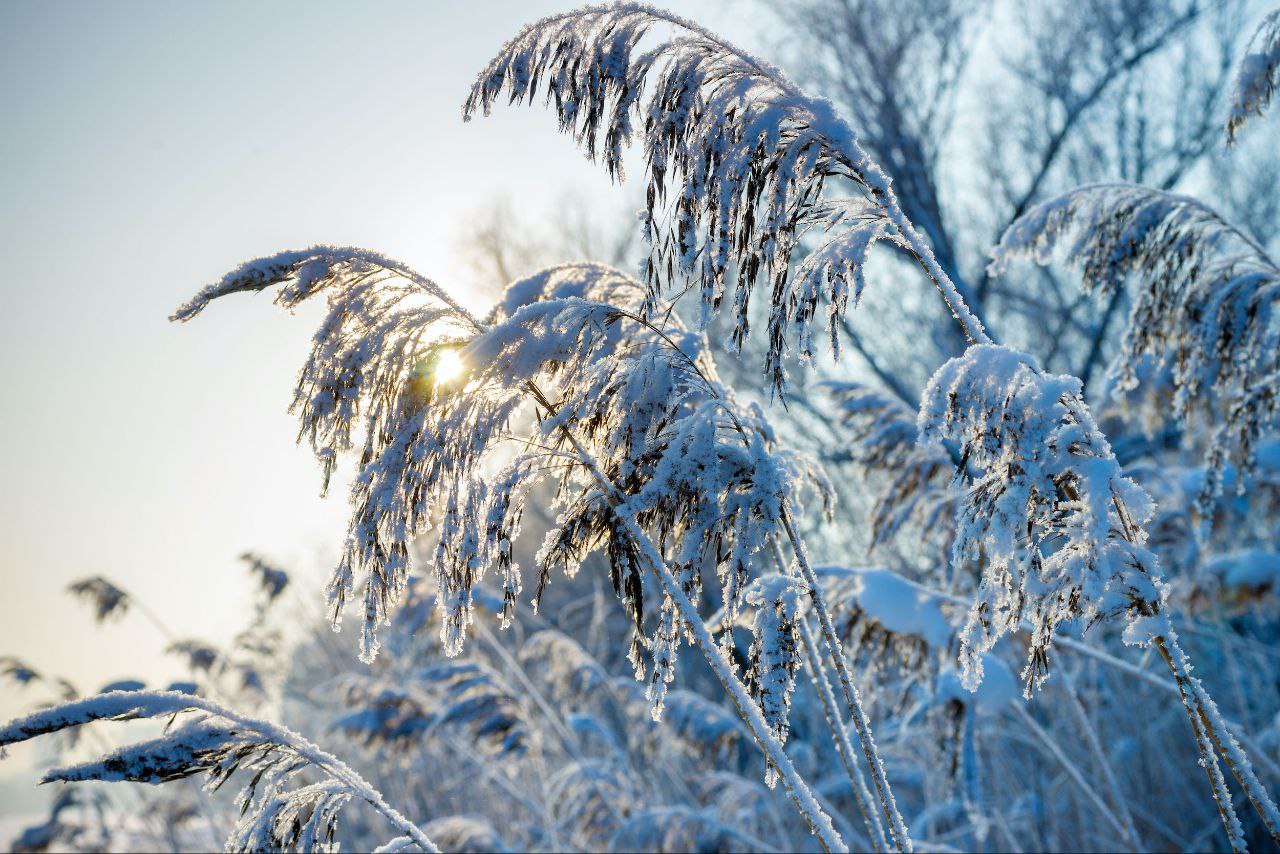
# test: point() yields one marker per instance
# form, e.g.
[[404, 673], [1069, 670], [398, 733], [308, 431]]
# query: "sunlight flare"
[[449, 366]]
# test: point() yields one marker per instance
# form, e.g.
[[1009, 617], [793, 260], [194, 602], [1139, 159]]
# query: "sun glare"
[[448, 367]]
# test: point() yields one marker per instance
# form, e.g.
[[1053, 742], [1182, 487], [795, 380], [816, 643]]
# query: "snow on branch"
[[1204, 296], [305, 272], [1047, 516], [374, 371], [1258, 77], [121, 705], [737, 158]]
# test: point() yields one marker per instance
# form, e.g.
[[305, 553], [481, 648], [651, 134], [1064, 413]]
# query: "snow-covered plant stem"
[[1210, 728], [1057, 531], [897, 827], [1208, 757], [969, 323], [338, 769], [737, 138], [1192, 695], [819, 822], [835, 723], [733, 686], [1195, 699], [1258, 77], [842, 139], [840, 735], [189, 750], [423, 450], [1206, 722]]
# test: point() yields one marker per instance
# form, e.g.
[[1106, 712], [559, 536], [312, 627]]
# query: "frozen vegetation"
[[634, 565]]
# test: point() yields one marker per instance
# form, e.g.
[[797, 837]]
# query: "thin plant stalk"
[[1206, 721], [1100, 756], [1054, 750], [340, 770], [1231, 727], [897, 827], [819, 822], [836, 725], [843, 137], [1208, 754]]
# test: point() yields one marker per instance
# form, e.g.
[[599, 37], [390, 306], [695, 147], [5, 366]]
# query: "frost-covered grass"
[[503, 701]]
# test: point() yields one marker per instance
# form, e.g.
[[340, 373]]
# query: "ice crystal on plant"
[[1203, 317], [1052, 523]]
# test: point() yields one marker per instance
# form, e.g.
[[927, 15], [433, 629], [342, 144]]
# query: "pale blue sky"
[[147, 149]]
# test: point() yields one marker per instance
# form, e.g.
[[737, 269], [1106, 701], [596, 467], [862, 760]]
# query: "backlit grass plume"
[[737, 159], [657, 467], [1203, 318], [278, 811]]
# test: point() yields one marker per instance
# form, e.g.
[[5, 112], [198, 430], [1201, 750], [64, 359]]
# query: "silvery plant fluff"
[[657, 466], [885, 438], [737, 159], [1047, 515], [586, 379], [1258, 76], [777, 600], [277, 811], [642, 403], [1204, 294], [1059, 534]]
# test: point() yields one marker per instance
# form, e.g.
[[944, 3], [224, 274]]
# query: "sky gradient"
[[149, 148]]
